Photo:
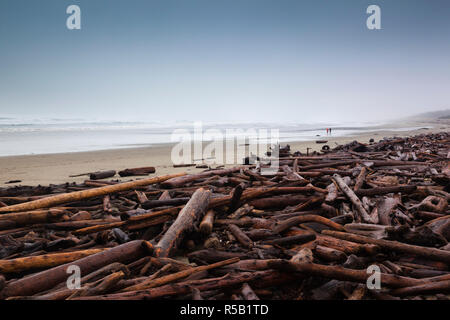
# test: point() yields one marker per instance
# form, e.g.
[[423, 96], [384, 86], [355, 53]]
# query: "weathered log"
[[102, 174], [345, 246], [85, 194], [277, 202], [30, 217], [97, 228], [258, 234], [240, 236], [44, 261], [329, 254], [211, 255], [168, 202], [192, 212], [328, 164], [360, 179], [142, 171], [294, 221], [206, 225], [241, 212], [297, 239], [353, 198]]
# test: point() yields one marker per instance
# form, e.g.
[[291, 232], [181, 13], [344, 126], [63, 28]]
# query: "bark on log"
[[330, 254], [347, 247], [168, 202], [245, 209], [102, 174], [277, 202], [192, 212], [236, 197], [207, 223], [85, 194], [143, 171], [44, 261], [297, 239], [294, 221], [240, 236], [360, 179], [152, 283], [102, 227], [30, 217]]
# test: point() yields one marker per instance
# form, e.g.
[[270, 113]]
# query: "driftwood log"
[[310, 230]]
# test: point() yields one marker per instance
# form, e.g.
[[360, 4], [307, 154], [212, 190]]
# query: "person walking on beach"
[[330, 131], [327, 131]]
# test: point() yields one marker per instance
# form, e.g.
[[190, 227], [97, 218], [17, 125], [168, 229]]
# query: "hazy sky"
[[224, 60]]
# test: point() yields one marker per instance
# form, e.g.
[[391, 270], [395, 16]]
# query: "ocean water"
[[28, 135]]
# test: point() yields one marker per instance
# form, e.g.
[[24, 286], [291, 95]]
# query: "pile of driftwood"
[[319, 228]]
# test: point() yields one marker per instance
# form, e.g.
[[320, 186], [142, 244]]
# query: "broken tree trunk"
[[192, 212]]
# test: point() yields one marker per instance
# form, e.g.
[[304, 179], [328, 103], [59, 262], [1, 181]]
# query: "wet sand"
[[56, 168]]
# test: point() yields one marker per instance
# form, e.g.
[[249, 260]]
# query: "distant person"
[[330, 131], [327, 131]]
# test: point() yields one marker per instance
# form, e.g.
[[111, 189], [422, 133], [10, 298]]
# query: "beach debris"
[[13, 181], [142, 171], [102, 174], [184, 165], [312, 230]]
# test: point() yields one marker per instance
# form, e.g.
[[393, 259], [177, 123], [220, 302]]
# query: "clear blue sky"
[[226, 60]]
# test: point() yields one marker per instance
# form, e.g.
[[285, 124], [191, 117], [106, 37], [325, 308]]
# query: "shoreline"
[[55, 168]]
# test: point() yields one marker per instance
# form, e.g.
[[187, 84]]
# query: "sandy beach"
[[56, 168]]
